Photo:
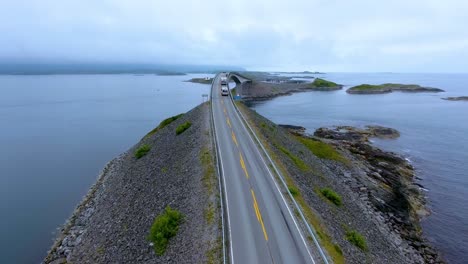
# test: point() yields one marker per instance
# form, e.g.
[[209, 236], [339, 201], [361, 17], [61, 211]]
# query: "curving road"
[[261, 227]]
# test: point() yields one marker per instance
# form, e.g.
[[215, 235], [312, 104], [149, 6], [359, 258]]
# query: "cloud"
[[331, 35]]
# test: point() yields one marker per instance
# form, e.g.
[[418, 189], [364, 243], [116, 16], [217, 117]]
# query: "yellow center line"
[[243, 165], [222, 102], [259, 215], [224, 109], [234, 138], [229, 123]]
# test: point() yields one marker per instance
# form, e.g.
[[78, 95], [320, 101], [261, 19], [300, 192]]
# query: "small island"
[[323, 85], [201, 80], [459, 98], [390, 87]]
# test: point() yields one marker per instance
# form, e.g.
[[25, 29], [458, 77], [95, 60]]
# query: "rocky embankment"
[[459, 98], [390, 87], [112, 223], [363, 202]]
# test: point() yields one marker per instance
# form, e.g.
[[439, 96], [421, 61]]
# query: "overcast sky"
[[325, 35]]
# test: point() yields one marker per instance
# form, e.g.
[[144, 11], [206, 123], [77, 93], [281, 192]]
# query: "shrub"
[[356, 239], [332, 196], [180, 129], [142, 151], [164, 123], [164, 227], [293, 190]]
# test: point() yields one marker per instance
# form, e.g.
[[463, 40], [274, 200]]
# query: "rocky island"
[[201, 80], [323, 85], [390, 87], [459, 98]]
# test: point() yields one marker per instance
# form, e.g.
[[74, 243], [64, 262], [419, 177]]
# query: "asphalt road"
[[261, 226]]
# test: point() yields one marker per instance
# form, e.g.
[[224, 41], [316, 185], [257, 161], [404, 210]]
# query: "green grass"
[[293, 190], [142, 151], [180, 129], [165, 227], [332, 196], [322, 149], [296, 160], [164, 123], [318, 82], [356, 239]]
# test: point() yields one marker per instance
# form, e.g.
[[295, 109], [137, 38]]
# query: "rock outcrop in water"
[[112, 223], [390, 87], [459, 98]]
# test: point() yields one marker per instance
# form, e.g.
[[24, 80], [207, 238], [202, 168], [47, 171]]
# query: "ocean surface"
[[434, 137], [58, 131]]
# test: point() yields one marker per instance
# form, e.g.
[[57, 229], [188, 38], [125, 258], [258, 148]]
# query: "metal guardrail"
[[283, 182]]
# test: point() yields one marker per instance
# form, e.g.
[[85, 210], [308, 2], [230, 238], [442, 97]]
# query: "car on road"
[[224, 90]]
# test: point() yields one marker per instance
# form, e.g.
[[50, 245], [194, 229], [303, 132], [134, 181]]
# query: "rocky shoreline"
[[380, 198]]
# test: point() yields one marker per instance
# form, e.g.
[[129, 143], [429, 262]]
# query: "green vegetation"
[[364, 87], [206, 160], [299, 163], [318, 82], [233, 92], [214, 255], [322, 149], [356, 239], [293, 190], [180, 129], [165, 226], [164, 123], [332, 196], [142, 151]]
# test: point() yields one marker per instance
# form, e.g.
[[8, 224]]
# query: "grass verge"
[[322, 149], [180, 129], [164, 227], [164, 123], [296, 160], [142, 151]]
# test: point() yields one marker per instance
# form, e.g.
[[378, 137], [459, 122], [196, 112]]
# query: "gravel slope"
[[112, 223]]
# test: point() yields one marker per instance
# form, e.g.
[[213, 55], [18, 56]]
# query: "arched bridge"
[[243, 84]]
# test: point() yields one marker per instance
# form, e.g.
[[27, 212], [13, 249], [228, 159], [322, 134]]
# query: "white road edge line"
[[224, 180], [239, 113], [277, 188]]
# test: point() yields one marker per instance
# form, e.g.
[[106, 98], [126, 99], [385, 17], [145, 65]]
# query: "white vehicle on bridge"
[[224, 90], [223, 80]]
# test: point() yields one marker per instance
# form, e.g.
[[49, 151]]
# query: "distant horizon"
[[29, 68]]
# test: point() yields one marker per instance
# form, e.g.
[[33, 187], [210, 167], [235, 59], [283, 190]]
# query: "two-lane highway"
[[261, 226]]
